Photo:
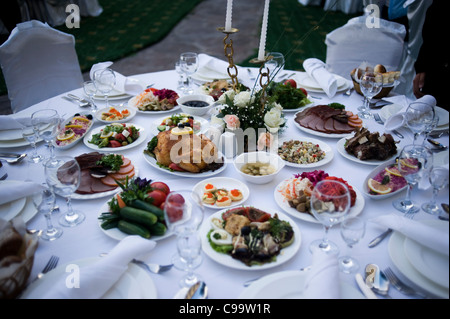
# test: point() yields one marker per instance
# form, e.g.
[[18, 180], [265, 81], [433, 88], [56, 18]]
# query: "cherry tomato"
[[161, 186], [291, 82], [304, 91], [158, 197], [114, 143]]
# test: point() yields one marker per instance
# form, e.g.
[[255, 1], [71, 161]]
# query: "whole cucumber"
[[140, 216], [158, 229], [133, 229], [140, 204]]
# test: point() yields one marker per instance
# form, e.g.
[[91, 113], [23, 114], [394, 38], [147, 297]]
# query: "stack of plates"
[[206, 74], [309, 84], [23, 207], [424, 267], [12, 138]]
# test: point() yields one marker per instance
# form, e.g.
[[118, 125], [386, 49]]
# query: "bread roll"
[[379, 68]]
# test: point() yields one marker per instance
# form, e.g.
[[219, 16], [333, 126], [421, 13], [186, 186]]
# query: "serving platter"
[[340, 146]]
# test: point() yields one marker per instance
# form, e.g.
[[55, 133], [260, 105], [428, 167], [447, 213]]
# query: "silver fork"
[[400, 285], [154, 268], [51, 264]]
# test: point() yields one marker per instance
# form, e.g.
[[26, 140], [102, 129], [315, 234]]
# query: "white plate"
[[203, 123], [341, 149], [329, 154], [226, 260], [226, 183], [152, 162], [135, 283], [282, 202], [11, 209], [372, 174], [443, 116], [29, 211], [14, 143], [311, 85], [320, 134], [398, 256], [65, 147], [131, 105], [300, 108], [98, 114], [289, 284], [117, 234], [141, 139], [8, 135]]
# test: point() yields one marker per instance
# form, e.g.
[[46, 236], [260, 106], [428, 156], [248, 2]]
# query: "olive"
[[245, 230], [89, 117]]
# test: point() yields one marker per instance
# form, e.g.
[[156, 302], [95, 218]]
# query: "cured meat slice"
[[126, 162], [126, 169]]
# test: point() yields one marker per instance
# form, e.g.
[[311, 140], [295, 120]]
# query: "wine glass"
[[44, 201], [189, 64], [438, 179], [181, 79], [90, 90], [352, 231], [183, 212], [413, 163], [63, 176], [104, 81], [370, 87], [430, 128], [47, 124], [419, 117], [330, 205], [276, 64], [30, 134]]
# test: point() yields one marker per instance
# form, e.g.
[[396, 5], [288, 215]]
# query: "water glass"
[[438, 179], [189, 63], [276, 64], [419, 117], [105, 80], [90, 90], [47, 124], [352, 231], [44, 202], [30, 134], [370, 87], [181, 78]]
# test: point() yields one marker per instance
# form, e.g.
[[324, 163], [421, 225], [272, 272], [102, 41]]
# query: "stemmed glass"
[[30, 134], [44, 201], [90, 90], [370, 87], [352, 231], [438, 179], [276, 63], [183, 212], [47, 123], [105, 80], [413, 163], [419, 117], [63, 176], [189, 64], [430, 128], [330, 205], [181, 78]]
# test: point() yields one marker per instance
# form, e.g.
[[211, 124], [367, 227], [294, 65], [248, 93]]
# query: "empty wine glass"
[[47, 123], [419, 116], [352, 231], [63, 176], [189, 64], [183, 212], [370, 87], [90, 90], [105, 80], [438, 179], [44, 201], [330, 205], [30, 134], [430, 128], [181, 79], [413, 163], [276, 64]]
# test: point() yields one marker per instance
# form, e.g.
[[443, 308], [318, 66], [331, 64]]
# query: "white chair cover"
[[346, 6], [310, 2], [354, 43], [38, 62]]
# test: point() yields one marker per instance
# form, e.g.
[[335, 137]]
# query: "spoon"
[[377, 281], [13, 158]]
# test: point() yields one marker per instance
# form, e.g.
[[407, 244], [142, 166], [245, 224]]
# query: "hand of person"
[[418, 84]]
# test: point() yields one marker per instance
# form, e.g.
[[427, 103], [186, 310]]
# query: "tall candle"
[[262, 42], [228, 15]]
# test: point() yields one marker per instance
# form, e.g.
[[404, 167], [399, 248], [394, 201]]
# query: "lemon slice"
[[66, 135], [393, 170], [377, 187], [116, 124], [182, 131], [106, 135], [79, 118], [409, 163], [74, 126]]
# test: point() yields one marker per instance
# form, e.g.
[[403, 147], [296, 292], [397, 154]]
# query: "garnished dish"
[[217, 87], [288, 95], [73, 130], [115, 136], [179, 121], [154, 100], [137, 210], [220, 192], [384, 181], [249, 238], [115, 114], [304, 153]]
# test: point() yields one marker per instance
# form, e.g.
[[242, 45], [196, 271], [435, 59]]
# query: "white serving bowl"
[[196, 111], [264, 157]]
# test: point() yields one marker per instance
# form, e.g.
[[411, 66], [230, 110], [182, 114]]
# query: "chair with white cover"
[[356, 42], [38, 62], [346, 6]]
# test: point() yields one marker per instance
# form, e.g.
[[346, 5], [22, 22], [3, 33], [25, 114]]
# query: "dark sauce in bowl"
[[196, 104]]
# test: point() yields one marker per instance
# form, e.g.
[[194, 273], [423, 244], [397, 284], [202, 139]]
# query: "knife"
[[379, 238], [398, 133], [365, 290]]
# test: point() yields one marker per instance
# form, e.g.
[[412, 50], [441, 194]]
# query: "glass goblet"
[[44, 202], [47, 124], [278, 58], [181, 78], [419, 116], [105, 80], [352, 231], [90, 90], [330, 205], [370, 87], [438, 179], [189, 64], [63, 176], [30, 134]]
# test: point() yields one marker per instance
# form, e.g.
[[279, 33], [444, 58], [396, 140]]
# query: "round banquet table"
[[88, 240]]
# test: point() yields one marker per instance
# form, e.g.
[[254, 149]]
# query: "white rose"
[[217, 122], [273, 118], [229, 93], [243, 99]]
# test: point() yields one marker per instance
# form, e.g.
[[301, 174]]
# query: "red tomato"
[[304, 91], [160, 186], [158, 197], [114, 143], [291, 82], [176, 198], [120, 136]]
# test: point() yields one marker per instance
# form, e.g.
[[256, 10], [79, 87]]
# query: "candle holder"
[[264, 78], [229, 52]]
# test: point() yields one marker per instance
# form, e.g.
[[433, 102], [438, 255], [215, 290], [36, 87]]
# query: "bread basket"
[[383, 93]]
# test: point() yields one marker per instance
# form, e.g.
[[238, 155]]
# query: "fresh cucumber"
[[109, 224], [140, 204], [158, 229], [140, 216], [133, 229]]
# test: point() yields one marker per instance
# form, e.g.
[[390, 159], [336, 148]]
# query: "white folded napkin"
[[9, 122], [316, 69], [323, 277], [212, 68], [124, 84], [425, 235], [97, 278], [12, 190]]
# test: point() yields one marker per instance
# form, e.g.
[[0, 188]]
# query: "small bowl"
[[196, 111], [264, 157]]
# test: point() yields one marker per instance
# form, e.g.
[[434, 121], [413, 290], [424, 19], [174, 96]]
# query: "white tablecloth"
[[88, 240]]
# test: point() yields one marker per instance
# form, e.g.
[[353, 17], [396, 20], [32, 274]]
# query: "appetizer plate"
[[372, 174], [65, 147], [135, 282], [203, 124], [329, 154], [98, 114], [132, 105], [282, 202], [341, 149], [154, 164], [319, 134], [226, 183], [141, 139], [226, 260]]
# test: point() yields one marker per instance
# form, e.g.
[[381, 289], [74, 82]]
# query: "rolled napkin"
[[97, 278], [425, 235], [323, 277], [124, 84], [12, 190], [316, 69]]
